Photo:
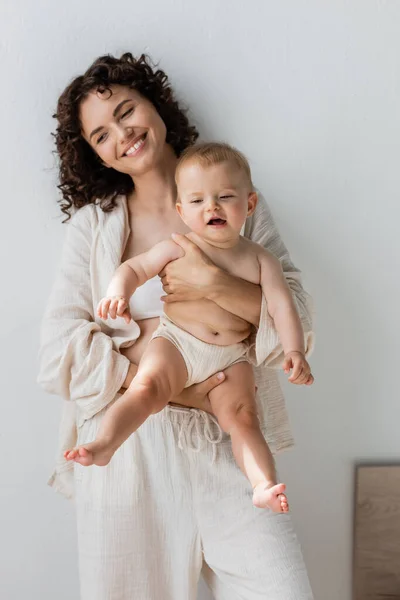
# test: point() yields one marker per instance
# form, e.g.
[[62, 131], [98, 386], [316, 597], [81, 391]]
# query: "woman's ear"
[[251, 203]]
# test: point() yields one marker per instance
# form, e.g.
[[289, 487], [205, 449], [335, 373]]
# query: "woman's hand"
[[196, 396], [195, 277], [191, 277]]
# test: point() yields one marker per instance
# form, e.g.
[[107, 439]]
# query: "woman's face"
[[124, 129]]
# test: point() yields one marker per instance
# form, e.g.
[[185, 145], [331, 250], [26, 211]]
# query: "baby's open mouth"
[[216, 222]]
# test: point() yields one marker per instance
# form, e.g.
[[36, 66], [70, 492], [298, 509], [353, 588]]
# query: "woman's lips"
[[136, 147]]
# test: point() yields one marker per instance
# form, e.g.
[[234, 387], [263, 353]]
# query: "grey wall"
[[309, 90]]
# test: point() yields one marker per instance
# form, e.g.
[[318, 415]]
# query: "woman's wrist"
[[219, 279], [235, 295], [189, 399]]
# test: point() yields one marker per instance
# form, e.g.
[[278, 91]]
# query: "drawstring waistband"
[[197, 428]]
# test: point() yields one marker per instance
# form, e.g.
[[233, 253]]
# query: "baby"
[[215, 196]]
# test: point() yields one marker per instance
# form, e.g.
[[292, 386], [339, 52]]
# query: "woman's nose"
[[124, 133]]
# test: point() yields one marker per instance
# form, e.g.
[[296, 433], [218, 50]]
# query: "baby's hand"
[[114, 306], [301, 371]]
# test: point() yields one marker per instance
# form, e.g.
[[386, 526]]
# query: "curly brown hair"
[[83, 178]]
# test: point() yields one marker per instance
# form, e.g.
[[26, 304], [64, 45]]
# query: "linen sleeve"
[[76, 359], [266, 348]]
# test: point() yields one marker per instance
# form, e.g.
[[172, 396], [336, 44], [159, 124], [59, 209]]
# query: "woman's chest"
[[148, 231]]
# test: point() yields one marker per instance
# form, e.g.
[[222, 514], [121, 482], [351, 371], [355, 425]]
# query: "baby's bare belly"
[[203, 319], [211, 324]]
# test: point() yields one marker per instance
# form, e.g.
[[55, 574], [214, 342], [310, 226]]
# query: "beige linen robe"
[[79, 355]]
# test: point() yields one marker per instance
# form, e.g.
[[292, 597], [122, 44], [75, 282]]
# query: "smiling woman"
[[120, 124], [123, 84], [172, 499]]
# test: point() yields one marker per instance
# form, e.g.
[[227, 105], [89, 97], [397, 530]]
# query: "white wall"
[[310, 91]]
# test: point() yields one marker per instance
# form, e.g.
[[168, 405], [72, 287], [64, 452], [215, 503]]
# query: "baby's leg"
[[234, 405], [161, 375]]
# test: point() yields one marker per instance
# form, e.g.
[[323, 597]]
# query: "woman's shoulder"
[[92, 215], [84, 216], [261, 216], [262, 207]]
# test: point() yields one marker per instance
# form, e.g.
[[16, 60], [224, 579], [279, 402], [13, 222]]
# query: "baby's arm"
[[284, 313], [132, 274]]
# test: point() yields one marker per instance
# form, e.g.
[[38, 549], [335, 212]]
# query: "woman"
[[172, 502]]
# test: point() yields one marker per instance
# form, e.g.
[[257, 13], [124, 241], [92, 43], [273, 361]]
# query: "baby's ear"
[[178, 207], [251, 203]]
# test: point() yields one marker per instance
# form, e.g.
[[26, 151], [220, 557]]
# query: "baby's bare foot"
[[271, 496], [98, 453]]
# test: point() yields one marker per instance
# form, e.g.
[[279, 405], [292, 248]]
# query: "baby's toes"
[[70, 454], [284, 503], [84, 457]]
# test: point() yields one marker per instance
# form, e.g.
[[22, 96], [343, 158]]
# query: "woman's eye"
[[127, 113], [101, 138]]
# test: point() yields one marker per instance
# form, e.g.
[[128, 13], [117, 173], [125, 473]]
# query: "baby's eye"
[[196, 201], [227, 196]]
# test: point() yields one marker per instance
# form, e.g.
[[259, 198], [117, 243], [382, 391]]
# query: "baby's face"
[[214, 201]]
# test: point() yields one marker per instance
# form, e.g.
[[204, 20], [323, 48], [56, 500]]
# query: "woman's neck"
[[155, 190]]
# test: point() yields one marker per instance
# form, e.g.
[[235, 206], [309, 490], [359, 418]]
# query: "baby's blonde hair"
[[208, 154]]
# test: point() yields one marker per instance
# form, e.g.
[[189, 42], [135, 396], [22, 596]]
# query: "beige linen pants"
[[171, 503]]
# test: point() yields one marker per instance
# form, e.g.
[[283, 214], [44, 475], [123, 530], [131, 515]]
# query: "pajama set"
[[172, 503]]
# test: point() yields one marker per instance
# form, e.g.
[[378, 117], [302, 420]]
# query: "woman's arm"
[[77, 360]]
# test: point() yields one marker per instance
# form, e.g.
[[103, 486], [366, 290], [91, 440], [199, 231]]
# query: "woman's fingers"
[[209, 384], [201, 390], [184, 242], [172, 298]]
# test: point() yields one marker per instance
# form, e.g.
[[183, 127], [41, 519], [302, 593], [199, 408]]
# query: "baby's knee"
[[240, 415], [155, 388]]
